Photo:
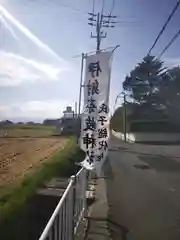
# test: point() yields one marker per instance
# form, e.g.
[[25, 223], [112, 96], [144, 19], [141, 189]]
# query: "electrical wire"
[[128, 26], [102, 10], [110, 13], [165, 25], [169, 44], [112, 7], [72, 8], [89, 53], [93, 6]]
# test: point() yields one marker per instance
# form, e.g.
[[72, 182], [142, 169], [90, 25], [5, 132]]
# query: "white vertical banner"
[[95, 117]]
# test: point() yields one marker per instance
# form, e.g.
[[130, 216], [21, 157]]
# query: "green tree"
[[169, 94], [117, 120], [155, 90], [143, 81]]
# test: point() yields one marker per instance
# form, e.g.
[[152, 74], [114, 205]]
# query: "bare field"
[[20, 155]]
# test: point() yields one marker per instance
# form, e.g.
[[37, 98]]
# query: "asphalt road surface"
[[143, 190]]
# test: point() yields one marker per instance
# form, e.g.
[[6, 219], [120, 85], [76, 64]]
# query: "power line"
[[165, 25], [72, 8], [103, 3], [170, 43], [93, 6], [112, 7], [60, 4], [113, 48], [100, 21], [128, 26], [110, 14], [101, 15]]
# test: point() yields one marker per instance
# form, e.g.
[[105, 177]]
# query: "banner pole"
[[80, 87], [80, 96]]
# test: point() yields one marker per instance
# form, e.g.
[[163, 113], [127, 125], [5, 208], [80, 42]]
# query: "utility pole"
[[75, 109], [100, 21], [125, 117], [78, 123], [124, 112]]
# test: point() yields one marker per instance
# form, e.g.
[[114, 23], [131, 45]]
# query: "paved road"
[[143, 190]]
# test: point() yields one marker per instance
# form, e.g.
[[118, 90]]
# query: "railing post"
[[70, 209], [86, 187], [73, 178]]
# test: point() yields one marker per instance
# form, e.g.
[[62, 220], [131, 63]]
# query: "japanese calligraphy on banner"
[[95, 116]]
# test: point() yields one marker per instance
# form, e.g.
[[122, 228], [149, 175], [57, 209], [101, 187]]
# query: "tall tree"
[[169, 93], [155, 89], [144, 79]]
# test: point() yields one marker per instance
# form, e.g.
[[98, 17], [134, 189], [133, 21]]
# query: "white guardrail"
[[66, 217]]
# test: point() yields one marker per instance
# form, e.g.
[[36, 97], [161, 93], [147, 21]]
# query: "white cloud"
[[33, 110], [30, 35], [8, 27], [15, 69], [172, 62], [18, 68]]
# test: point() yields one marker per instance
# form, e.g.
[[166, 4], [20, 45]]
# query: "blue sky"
[[39, 74]]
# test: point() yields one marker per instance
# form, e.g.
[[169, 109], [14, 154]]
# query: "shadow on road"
[[140, 206], [160, 163], [160, 143], [117, 231], [107, 171], [117, 149], [155, 161]]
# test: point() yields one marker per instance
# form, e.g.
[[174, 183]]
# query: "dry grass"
[[23, 149], [16, 200], [19, 156]]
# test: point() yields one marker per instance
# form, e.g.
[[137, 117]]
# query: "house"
[[68, 124]]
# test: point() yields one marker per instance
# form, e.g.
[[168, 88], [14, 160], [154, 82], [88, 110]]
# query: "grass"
[[27, 130], [28, 126], [61, 164]]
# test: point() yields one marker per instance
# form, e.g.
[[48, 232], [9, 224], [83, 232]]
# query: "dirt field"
[[20, 155]]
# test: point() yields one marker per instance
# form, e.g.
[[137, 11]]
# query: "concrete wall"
[[148, 137]]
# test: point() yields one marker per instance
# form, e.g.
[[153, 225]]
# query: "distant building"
[[68, 123], [51, 122], [68, 113]]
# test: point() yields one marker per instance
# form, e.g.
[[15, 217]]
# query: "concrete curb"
[[120, 135], [149, 137], [97, 228]]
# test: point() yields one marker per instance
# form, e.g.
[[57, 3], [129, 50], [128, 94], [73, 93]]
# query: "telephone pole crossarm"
[[100, 21]]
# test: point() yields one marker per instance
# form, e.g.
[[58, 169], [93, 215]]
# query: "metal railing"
[[69, 211]]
